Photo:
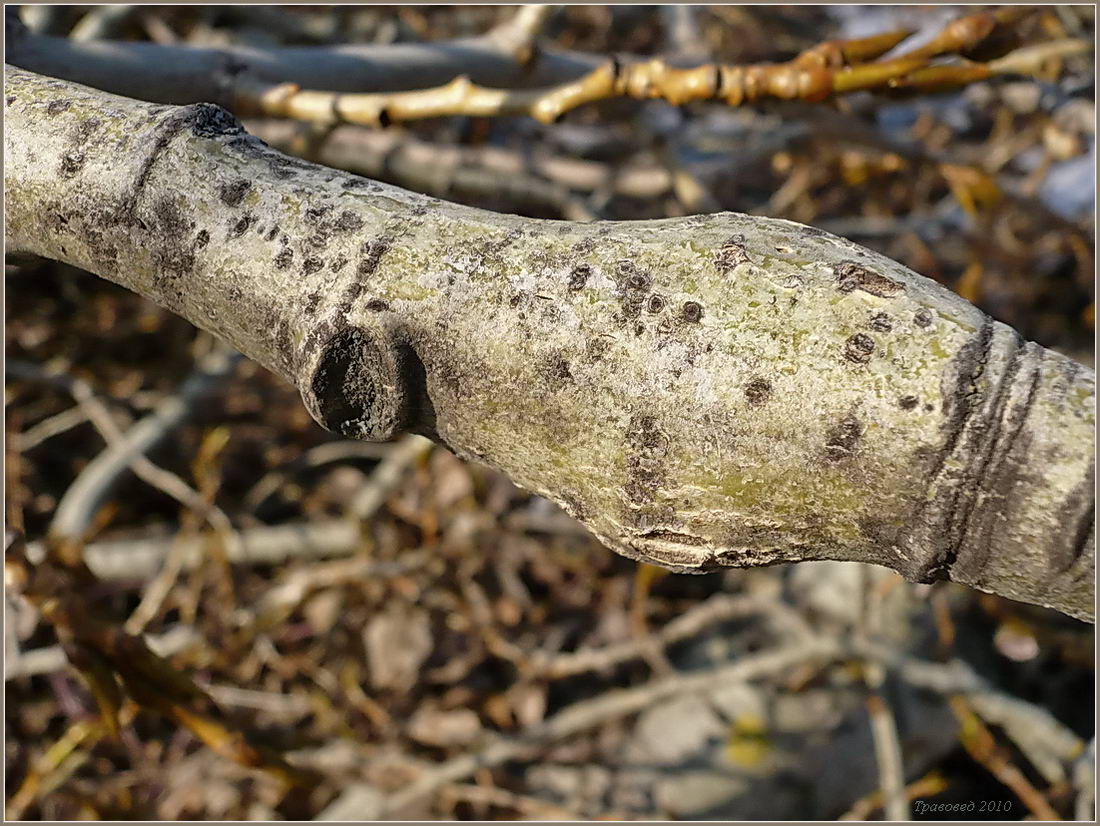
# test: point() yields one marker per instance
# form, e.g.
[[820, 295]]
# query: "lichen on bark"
[[701, 392]]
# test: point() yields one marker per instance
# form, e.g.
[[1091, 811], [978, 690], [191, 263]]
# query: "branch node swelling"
[[357, 384]]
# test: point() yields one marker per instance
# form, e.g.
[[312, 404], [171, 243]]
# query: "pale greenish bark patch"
[[700, 392]]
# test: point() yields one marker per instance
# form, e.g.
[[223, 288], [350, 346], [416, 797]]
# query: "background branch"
[[187, 74]]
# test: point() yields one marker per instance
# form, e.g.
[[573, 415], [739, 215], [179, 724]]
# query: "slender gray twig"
[[888, 756], [91, 488], [1046, 741], [1084, 777], [55, 425], [609, 706], [136, 560], [188, 74], [716, 609], [323, 454]]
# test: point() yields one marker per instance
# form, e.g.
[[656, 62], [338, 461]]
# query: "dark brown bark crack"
[[1080, 511], [997, 470], [962, 403]]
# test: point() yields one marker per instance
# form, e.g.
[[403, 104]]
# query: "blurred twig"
[[609, 706], [48, 428], [832, 68], [874, 586], [102, 22], [136, 560], [113, 663], [516, 35], [718, 608], [389, 473], [59, 760], [280, 600], [1039, 735], [1084, 776], [285, 596], [981, 745], [140, 558], [90, 489], [888, 754], [323, 454], [52, 658], [186, 74], [927, 786], [465, 171], [683, 38]]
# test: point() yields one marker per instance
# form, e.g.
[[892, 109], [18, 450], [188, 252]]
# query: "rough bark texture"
[[719, 390]]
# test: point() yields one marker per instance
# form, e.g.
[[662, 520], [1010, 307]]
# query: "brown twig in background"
[[158, 589], [982, 746], [60, 760], [52, 658], [928, 786], [826, 70], [112, 662], [279, 601]]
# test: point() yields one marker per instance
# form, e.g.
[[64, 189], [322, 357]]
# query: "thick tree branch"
[[714, 391]]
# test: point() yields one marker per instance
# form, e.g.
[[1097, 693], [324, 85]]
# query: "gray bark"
[[720, 390], [189, 74]]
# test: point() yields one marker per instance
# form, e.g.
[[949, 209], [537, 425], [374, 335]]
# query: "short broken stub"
[[354, 385]]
